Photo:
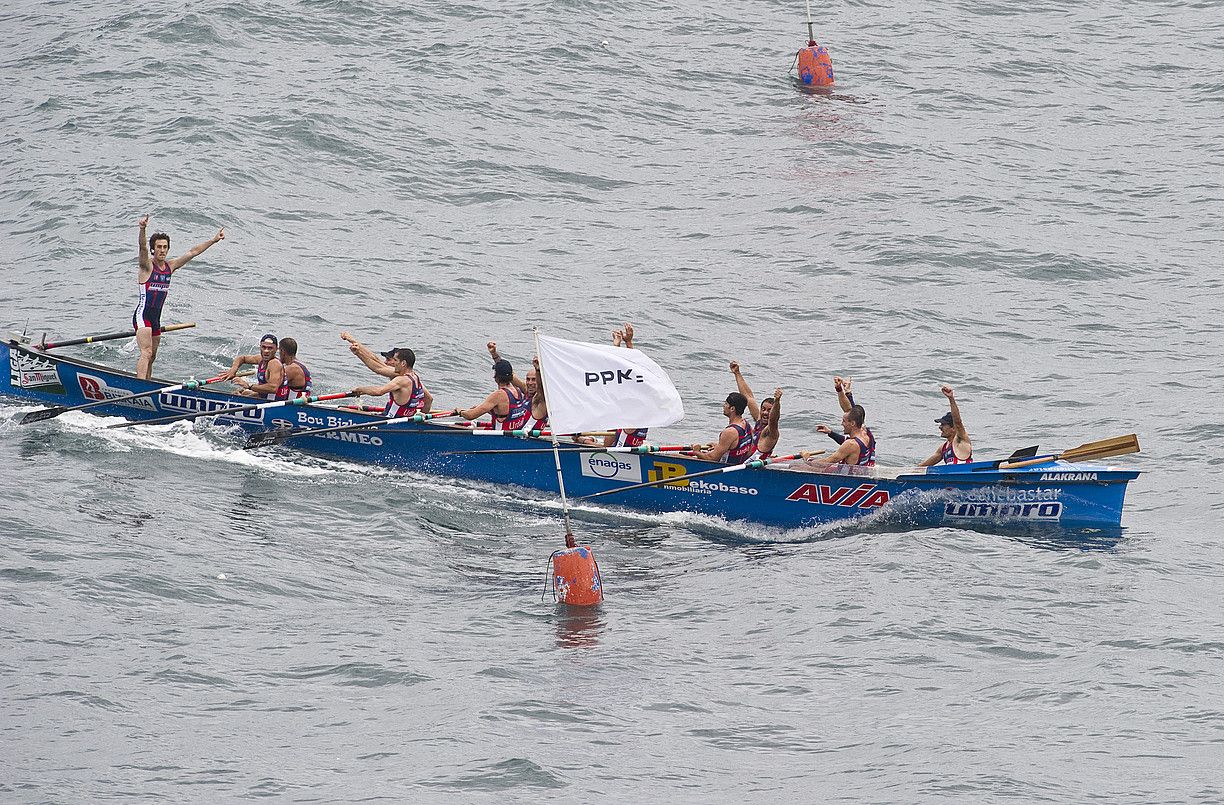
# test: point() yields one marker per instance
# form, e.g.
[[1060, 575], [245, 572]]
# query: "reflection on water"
[[579, 627]]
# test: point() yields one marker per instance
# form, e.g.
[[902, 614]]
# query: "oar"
[[270, 437], [1023, 452], [1117, 446], [747, 465], [640, 449], [236, 409], [93, 339], [30, 417]]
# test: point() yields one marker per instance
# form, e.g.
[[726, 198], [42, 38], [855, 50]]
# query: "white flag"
[[598, 387]]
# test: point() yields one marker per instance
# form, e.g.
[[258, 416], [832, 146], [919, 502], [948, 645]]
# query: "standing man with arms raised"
[[956, 448], [153, 276]]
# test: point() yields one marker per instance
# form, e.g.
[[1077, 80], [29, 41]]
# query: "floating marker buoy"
[[576, 578], [815, 66]]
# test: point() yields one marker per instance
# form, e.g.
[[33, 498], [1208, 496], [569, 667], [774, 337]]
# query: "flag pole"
[[570, 542]]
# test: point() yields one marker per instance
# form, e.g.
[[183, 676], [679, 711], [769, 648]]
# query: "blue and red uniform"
[[519, 411], [744, 447], [286, 391], [949, 455], [867, 450], [630, 438], [416, 400], [261, 377], [153, 293]]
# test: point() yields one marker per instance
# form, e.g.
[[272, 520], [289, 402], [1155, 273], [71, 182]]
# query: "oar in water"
[[747, 465], [270, 437], [237, 409], [1116, 446], [30, 417], [93, 339]]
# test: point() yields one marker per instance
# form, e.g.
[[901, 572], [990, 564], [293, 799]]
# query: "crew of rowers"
[[518, 404]]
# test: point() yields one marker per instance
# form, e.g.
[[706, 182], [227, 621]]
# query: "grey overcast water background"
[[1022, 200]]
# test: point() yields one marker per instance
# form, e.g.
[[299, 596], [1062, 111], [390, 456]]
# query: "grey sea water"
[[1025, 201]]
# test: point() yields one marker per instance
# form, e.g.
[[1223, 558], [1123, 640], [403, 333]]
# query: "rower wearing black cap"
[[509, 406], [956, 448], [269, 371], [406, 394]]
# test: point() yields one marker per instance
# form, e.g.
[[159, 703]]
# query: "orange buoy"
[[576, 578], [815, 66]]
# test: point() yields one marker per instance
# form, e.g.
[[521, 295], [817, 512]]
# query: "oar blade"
[[30, 417], [1117, 446], [269, 437]]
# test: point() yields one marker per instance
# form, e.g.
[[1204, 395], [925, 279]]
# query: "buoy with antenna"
[[573, 570], [815, 66]]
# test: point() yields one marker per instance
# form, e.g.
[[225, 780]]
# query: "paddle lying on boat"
[[642, 449], [1116, 446], [30, 417], [277, 436], [93, 339], [237, 409], [747, 465]]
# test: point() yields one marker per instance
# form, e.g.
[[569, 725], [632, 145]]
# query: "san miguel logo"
[[865, 496], [34, 372]]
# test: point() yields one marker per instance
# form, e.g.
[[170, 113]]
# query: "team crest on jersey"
[[94, 389], [34, 372]]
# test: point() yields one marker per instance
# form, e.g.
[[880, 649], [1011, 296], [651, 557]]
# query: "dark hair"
[[406, 355], [288, 346], [857, 415], [156, 236], [737, 401]]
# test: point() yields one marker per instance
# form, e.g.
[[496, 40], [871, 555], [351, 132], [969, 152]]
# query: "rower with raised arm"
[[621, 437], [269, 371], [509, 406], [384, 366], [735, 443], [858, 446], [530, 385], [406, 394], [153, 276], [765, 415], [845, 399], [956, 449]]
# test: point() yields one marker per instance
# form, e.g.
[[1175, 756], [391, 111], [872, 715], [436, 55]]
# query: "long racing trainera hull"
[[1056, 493]]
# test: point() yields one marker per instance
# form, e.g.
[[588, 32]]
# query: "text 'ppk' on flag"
[[599, 387]]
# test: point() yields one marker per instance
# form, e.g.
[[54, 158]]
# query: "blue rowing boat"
[[1048, 491]]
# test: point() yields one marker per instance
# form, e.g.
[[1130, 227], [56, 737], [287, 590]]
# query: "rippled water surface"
[[1024, 201]]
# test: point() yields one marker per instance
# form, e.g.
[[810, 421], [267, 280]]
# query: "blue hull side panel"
[[1053, 493]]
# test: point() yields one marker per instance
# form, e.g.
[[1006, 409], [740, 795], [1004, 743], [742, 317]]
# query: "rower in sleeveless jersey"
[[508, 407], [735, 442], [269, 371], [765, 416], [956, 449], [858, 448], [406, 394]]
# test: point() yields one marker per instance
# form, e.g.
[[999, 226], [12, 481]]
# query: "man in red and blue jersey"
[[956, 449], [508, 406], [269, 371], [153, 276], [532, 387], [765, 416], [858, 446], [406, 394], [735, 442]]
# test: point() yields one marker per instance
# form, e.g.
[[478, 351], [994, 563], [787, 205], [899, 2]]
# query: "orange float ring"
[[575, 576]]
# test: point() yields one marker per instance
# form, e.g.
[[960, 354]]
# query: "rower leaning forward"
[[153, 276]]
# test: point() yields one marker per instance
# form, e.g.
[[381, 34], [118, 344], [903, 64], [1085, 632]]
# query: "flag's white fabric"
[[598, 387]]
